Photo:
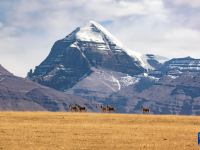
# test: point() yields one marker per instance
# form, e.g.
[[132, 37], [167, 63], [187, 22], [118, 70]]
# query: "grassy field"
[[89, 131]]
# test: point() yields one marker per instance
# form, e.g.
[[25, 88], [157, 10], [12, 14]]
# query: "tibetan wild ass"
[[103, 108], [72, 108], [145, 110], [81, 108], [110, 109]]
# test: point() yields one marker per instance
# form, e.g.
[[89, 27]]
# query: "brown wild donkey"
[[103, 108], [81, 108], [73, 108], [145, 110], [110, 109]]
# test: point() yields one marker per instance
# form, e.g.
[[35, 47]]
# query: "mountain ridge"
[[181, 64], [90, 45], [21, 94]]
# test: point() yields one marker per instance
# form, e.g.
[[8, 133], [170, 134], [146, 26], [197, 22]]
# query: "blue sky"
[[28, 29]]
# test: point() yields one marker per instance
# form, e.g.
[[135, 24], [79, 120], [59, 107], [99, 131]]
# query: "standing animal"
[[110, 109], [73, 108], [145, 110], [103, 108], [81, 108]]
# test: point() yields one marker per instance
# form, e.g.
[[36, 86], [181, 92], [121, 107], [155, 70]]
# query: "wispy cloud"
[[186, 3]]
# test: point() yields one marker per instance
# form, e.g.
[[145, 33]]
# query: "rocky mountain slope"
[[156, 61], [92, 63], [19, 94], [101, 83], [167, 95], [181, 64], [90, 46], [3, 71]]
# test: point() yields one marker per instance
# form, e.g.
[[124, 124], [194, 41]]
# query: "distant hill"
[[168, 94], [3, 71], [181, 64], [19, 94]]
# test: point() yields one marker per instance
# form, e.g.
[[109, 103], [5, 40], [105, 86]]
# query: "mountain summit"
[[90, 46]]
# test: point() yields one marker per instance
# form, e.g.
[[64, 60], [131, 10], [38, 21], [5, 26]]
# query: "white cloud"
[[29, 29], [189, 3], [183, 35], [57, 14], [1, 24]]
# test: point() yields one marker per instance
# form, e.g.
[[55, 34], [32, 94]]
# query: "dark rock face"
[[154, 63], [181, 64], [72, 58], [63, 68], [153, 60], [180, 95], [19, 94]]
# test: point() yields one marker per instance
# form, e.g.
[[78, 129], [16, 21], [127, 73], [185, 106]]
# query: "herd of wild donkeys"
[[108, 109], [81, 109]]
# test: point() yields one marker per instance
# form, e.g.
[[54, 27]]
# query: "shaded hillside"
[[101, 83], [3, 71], [19, 94], [169, 95]]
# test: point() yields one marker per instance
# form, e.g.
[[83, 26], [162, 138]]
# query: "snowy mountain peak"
[[94, 32], [89, 32], [89, 46]]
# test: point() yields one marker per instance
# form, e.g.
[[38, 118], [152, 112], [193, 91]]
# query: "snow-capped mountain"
[[181, 64], [93, 64], [90, 46], [94, 32]]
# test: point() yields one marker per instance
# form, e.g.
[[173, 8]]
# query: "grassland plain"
[[89, 131]]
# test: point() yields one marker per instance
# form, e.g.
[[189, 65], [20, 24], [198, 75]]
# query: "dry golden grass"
[[52, 131]]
